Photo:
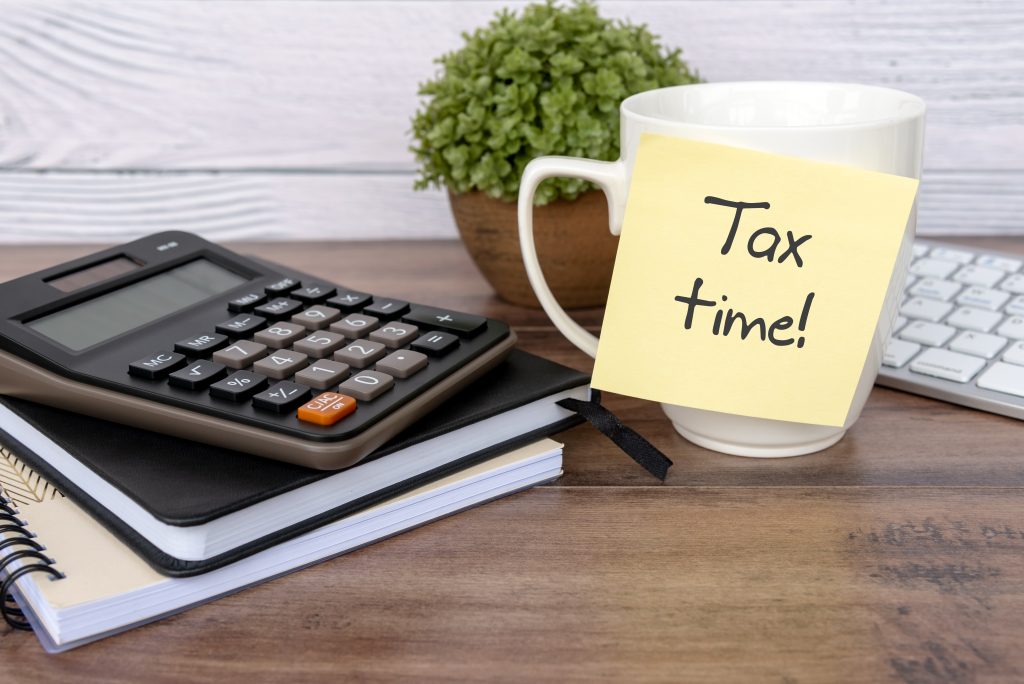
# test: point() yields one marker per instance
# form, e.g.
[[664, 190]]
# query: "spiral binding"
[[9, 522]]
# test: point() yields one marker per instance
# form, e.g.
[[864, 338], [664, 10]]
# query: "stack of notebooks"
[[135, 526]]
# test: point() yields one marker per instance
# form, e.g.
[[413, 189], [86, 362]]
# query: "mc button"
[[156, 366]]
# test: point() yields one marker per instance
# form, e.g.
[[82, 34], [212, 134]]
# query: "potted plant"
[[548, 80]]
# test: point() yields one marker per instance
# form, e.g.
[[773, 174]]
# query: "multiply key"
[[458, 323]]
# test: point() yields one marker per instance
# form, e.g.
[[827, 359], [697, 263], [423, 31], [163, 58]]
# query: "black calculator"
[[175, 334]]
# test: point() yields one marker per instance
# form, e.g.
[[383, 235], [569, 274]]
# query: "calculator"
[[175, 334]]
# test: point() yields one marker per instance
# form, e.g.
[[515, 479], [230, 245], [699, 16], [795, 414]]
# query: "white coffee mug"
[[863, 126]]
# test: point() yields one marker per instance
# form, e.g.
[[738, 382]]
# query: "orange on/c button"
[[327, 408]]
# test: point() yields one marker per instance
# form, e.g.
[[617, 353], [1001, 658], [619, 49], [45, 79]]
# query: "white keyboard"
[[959, 336]]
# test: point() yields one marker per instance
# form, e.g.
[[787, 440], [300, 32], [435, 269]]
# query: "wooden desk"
[[896, 555]]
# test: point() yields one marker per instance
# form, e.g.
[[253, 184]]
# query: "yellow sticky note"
[[749, 283]]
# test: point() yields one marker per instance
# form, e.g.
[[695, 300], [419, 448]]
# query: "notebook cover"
[[186, 483]]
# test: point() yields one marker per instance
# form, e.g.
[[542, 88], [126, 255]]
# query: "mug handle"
[[611, 178]]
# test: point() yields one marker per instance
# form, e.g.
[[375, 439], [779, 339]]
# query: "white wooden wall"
[[285, 120]]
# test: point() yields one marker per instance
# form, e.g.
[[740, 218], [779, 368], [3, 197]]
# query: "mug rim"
[[628, 107]]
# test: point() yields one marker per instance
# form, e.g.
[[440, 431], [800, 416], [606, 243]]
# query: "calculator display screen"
[[135, 305]]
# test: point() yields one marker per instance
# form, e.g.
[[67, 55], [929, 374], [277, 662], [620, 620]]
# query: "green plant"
[[548, 81]]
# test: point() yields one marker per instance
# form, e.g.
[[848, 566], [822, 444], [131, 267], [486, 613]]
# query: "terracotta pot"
[[575, 248]]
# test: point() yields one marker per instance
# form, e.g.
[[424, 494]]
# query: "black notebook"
[[188, 508]]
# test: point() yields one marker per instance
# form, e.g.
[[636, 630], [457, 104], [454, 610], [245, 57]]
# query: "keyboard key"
[[241, 354], [367, 385], [983, 298], [898, 324], [898, 352], [241, 326], [282, 307], [1013, 283], [920, 250], [949, 254], [246, 302], [156, 366], [386, 308], [282, 286], [316, 317], [1015, 306], [361, 353], [313, 293], [402, 364], [1012, 327], [281, 364], [349, 300], [979, 275], [1015, 353], [282, 397], [326, 409], [978, 344], [395, 335], [1003, 377], [322, 374], [280, 335], [198, 375], [201, 345], [948, 365], [355, 326], [935, 289], [319, 344], [1002, 263], [909, 280], [931, 334], [926, 309], [458, 323], [969, 318], [238, 386], [933, 268]]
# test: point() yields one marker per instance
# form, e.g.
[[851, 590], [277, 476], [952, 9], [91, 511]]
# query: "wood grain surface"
[[296, 114], [895, 556]]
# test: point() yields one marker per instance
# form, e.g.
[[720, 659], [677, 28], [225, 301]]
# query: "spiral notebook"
[[75, 582], [189, 508]]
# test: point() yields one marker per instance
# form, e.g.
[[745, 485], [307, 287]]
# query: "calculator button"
[[386, 308], [395, 335], [201, 345], [238, 386], [350, 300], [281, 364], [458, 323], [241, 326], [326, 409], [355, 326], [280, 335], [322, 374], [198, 375], [241, 354], [367, 385], [319, 344], [282, 397], [282, 307], [436, 343], [313, 293], [402, 364], [246, 302], [316, 317], [156, 366], [282, 286], [361, 353]]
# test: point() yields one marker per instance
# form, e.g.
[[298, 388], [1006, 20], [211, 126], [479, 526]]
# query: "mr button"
[[326, 409]]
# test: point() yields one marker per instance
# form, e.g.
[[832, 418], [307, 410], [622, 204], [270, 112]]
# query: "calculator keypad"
[[311, 349]]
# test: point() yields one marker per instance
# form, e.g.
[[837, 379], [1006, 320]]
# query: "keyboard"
[[959, 335]]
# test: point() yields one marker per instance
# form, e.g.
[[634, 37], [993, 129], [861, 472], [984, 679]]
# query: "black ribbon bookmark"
[[627, 439]]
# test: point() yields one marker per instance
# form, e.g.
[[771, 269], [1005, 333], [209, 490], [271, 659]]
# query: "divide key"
[[461, 324]]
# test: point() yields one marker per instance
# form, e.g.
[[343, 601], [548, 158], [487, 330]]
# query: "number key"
[[280, 364], [241, 354], [367, 385], [361, 353], [319, 344], [238, 386], [316, 317], [280, 335], [198, 375], [322, 374], [355, 326], [282, 397], [395, 335]]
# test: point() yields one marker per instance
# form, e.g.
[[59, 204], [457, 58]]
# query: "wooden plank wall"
[[289, 120]]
